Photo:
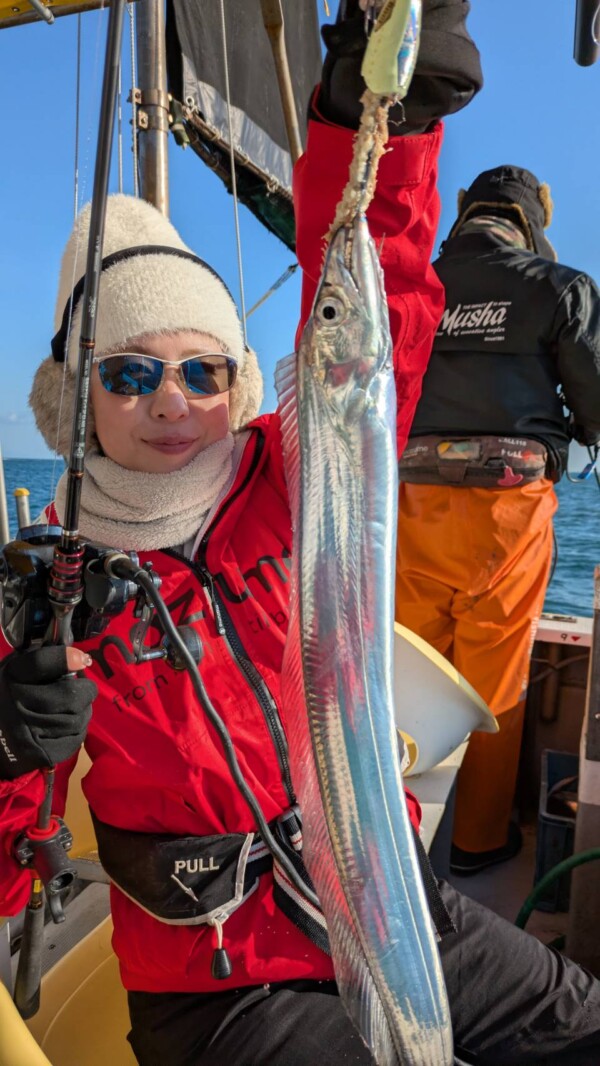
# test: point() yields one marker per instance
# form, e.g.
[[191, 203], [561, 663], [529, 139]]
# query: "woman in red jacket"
[[180, 470]]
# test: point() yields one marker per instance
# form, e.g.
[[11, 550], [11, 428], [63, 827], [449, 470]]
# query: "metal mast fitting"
[[152, 101]]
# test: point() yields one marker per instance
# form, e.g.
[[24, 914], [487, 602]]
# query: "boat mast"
[[152, 98]]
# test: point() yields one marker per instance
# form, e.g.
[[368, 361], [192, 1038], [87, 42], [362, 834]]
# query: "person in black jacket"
[[519, 341]]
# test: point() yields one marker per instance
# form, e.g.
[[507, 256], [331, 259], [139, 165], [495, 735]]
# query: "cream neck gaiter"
[[136, 511]]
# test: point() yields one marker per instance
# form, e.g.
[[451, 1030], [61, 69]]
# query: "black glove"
[[447, 74], [43, 714]]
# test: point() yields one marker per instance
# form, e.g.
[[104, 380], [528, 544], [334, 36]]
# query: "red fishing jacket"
[[157, 764]]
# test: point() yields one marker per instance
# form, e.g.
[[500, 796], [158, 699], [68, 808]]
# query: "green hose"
[[556, 871]]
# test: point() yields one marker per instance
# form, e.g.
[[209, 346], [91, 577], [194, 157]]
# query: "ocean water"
[[577, 529], [577, 533]]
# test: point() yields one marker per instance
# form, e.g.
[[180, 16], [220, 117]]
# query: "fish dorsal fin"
[[286, 384]]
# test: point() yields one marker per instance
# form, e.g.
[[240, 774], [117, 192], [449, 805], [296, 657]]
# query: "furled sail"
[[196, 72]]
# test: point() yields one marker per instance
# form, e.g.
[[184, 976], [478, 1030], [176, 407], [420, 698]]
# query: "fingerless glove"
[[44, 715]]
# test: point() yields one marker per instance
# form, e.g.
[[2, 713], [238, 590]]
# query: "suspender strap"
[[439, 913], [294, 905]]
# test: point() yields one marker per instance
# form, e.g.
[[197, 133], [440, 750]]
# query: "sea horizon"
[[570, 591]]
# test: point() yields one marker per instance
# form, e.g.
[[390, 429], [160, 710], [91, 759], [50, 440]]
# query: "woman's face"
[[165, 430]]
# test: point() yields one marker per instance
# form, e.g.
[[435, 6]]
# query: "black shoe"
[[465, 863]]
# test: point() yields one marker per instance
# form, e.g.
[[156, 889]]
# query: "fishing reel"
[[25, 607], [110, 582], [95, 584]]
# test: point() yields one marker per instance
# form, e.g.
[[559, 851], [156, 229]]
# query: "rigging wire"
[[120, 122], [233, 176], [276, 285], [134, 140], [77, 115]]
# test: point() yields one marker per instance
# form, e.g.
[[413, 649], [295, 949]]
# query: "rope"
[[134, 145], [233, 177]]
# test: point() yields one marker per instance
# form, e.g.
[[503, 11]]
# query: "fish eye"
[[331, 311]]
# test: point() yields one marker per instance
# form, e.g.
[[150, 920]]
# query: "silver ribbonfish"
[[338, 411]]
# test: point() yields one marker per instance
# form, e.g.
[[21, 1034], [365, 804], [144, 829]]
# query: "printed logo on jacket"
[[487, 320]]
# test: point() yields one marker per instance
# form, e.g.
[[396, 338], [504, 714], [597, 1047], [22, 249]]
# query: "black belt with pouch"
[[190, 880], [473, 462]]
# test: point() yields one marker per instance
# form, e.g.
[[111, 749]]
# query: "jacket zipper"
[[226, 628], [259, 687]]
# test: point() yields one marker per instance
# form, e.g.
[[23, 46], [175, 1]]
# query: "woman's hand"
[[44, 714]]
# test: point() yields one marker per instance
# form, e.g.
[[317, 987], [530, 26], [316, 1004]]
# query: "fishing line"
[[233, 176], [134, 139], [84, 175]]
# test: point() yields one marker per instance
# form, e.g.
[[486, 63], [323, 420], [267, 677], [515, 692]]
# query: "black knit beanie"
[[516, 193]]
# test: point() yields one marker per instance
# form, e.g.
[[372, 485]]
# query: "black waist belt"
[[476, 462], [189, 880]]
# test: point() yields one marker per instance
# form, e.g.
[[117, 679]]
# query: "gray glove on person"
[[44, 715]]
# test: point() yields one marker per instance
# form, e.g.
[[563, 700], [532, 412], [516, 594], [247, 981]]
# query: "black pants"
[[513, 1002]]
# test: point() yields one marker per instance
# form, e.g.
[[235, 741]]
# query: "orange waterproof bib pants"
[[472, 571]]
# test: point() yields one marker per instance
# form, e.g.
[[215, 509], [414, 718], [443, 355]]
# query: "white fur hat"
[[140, 294], [144, 293]]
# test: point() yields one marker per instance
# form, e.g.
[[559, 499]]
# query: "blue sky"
[[538, 109]]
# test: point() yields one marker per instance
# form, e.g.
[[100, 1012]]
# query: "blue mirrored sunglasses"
[[131, 374]]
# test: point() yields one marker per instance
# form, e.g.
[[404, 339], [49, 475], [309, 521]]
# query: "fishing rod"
[[43, 848], [75, 588], [56, 589]]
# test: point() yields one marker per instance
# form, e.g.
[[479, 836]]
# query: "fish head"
[[347, 341]]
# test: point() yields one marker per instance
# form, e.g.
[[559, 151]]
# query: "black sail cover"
[[196, 73]]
